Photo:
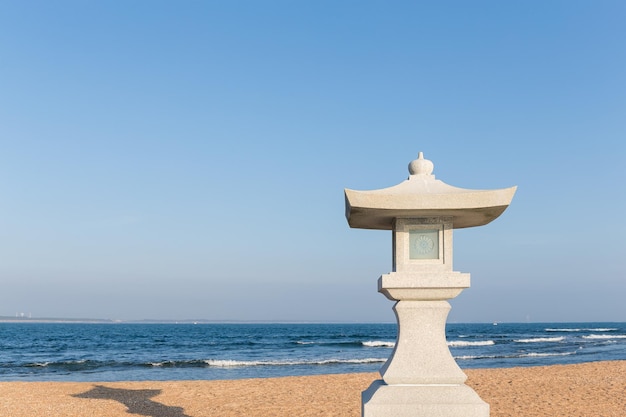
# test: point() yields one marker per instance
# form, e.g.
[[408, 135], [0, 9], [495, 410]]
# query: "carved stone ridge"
[[428, 220]]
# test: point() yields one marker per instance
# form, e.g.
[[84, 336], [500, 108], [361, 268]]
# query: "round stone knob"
[[421, 166]]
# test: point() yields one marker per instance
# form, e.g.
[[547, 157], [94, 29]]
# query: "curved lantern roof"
[[421, 195]]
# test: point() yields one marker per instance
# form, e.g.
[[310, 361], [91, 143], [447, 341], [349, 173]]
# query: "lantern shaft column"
[[421, 378], [421, 355]]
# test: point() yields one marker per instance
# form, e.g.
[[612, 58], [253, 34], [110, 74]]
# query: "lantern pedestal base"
[[382, 400]]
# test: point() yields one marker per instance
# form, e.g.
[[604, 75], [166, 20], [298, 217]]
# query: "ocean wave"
[[346, 343], [38, 364], [463, 343], [379, 343], [515, 356], [605, 336], [228, 363], [541, 355], [453, 343], [192, 363], [599, 329], [84, 365], [564, 330], [541, 339], [57, 364]]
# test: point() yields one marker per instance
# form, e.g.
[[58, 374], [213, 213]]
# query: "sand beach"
[[581, 390]]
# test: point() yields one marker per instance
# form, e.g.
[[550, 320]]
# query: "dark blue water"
[[116, 352]]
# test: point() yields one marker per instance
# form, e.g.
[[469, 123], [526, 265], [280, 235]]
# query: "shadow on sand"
[[137, 401]]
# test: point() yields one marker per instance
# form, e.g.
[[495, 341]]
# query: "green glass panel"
[[424, 244]]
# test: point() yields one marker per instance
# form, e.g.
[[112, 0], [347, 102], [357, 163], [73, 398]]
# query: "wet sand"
[[583, 390]]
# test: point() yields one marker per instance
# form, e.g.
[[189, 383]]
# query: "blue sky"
[[181, 160]]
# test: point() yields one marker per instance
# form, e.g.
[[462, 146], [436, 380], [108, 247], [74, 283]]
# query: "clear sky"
[[187, 160]]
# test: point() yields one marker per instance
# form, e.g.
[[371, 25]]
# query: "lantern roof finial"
[[421, 167]]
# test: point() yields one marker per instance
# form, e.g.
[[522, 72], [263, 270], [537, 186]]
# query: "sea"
[[208, 351]]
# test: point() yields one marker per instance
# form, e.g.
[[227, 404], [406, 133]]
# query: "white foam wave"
[[605, 336], [470, 357], [45, 364], [226, 363], [536, 354], [379, 343], [599, 329], [304, 343], [541, 339], [564, 330], [522, 355], [463, 343]]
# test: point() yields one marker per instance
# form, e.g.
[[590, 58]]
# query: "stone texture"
[[381, 400], [421, 355], [426, 286], [421, 195]]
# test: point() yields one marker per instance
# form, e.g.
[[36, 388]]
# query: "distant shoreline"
[[10, 319], [52, 320]]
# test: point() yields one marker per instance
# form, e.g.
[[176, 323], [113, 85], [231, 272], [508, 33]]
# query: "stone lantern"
[[421, 378]]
